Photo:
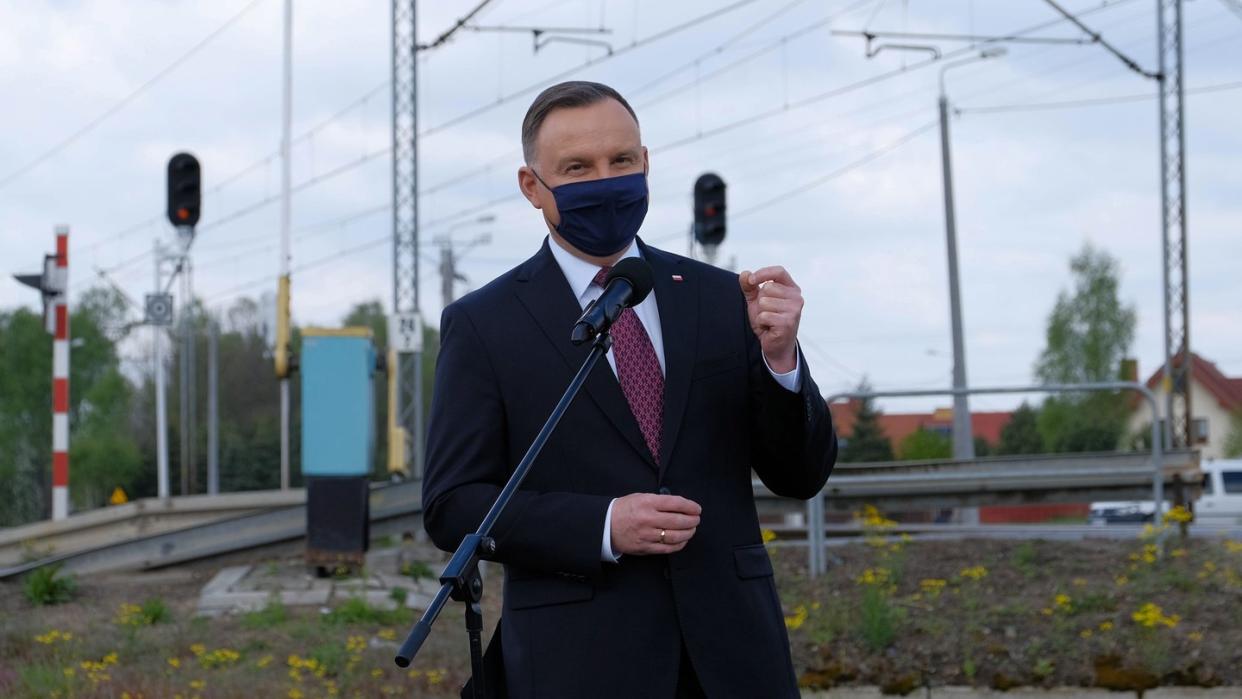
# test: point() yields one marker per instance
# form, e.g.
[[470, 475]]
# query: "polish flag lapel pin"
[[678, 278]]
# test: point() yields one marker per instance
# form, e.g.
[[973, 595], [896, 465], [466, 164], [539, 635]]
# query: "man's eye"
[[624, 159], [574, 168]]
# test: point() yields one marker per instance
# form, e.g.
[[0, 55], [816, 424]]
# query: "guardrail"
[[389, 504]]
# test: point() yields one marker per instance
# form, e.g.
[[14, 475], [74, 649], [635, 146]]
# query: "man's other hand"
[[774, 304], [638, 519]]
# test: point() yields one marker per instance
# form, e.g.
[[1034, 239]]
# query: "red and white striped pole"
[[60, 379]]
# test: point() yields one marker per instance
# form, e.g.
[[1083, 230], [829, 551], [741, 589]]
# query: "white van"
[[1221, 502]]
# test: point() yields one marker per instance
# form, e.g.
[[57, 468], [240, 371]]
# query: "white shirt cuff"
[[788, 380], [606, 554]]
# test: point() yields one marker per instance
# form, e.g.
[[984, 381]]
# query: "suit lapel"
[[678, 302], [546, 294]]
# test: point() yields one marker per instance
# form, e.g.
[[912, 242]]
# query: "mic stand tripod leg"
[[474, 627]]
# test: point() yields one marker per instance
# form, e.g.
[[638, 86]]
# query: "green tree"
[[868, 441], [1233, 440], [1021, 434], [1088, 334], [924, 444], [97, 405]]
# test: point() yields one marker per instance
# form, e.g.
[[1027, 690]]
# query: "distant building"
[[898, 426], [1213, 398]]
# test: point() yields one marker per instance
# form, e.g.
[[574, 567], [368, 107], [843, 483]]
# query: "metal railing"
[[815, 506]]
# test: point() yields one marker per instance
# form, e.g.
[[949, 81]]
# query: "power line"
[[720, 47], [697, 21], [94, 123], [461, 22], [1097, 38], [864, 160], [765, 49], [1095, 102], [834, 92]]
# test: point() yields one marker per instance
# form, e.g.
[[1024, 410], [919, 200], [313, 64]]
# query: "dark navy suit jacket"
[[573, 626]]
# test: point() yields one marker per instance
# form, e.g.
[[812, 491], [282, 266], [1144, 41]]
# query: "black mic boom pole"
[[628, 284]]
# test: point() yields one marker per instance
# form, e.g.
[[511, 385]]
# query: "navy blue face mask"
[[601, 217]]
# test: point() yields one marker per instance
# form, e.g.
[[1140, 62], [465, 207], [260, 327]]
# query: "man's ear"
[[528, 184], [646, 162]]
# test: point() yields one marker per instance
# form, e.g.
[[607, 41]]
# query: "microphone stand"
[[460, 579]]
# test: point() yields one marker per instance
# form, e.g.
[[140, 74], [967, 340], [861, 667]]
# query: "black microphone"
[[627, 284]]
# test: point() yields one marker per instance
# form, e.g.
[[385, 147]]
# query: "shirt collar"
[[578, 272]]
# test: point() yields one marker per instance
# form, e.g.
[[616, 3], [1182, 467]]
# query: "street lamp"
[[963, 439], [450, 255]]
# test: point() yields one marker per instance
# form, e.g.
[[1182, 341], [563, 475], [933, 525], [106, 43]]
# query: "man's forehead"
[[601, 125]]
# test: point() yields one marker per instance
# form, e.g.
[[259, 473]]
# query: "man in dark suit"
[[634, 565]]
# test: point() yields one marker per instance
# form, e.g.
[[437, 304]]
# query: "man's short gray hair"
[[569, 94]]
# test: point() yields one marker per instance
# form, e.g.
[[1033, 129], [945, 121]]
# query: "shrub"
[[46, 586]]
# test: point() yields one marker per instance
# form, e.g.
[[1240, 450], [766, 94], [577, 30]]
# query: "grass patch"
[[274, 613], [1024, 558], [879, 619], [417, 570], [46, 585], [355, 610]]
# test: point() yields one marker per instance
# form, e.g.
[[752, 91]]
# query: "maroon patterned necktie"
[[638, 371]]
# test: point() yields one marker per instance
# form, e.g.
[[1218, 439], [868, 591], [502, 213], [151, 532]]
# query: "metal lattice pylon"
[[1178, 360], [405, 222]]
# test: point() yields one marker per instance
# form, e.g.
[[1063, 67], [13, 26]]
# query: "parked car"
[[1219, 503]]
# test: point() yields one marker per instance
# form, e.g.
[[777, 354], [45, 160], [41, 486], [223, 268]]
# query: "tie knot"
[[601, 276]]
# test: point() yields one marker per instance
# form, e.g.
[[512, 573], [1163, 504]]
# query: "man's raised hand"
[[774, 305]]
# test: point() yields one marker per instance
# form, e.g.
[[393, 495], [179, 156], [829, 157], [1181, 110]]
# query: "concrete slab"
[[224, 580]]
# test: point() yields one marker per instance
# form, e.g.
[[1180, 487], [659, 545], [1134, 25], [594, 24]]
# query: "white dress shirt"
[[581, 274]]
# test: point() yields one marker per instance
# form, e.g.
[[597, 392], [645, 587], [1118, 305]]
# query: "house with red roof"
[[1214, 398], [898, 426]]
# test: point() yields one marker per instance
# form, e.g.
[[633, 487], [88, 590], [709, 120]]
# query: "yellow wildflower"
[[932, 586], [387, 634], [1178, 514], [874, 576], [795, 621], [174, 662], [377, 672], [1195, 636], [1106, 626], [974, 572], [1151, 615], [1085, 633], [198, 684], [768, 536]]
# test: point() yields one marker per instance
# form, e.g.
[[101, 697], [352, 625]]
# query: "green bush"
[[154, 611], [46, 586]]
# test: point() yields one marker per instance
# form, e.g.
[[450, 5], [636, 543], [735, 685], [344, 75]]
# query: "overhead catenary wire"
[[1091, 102], [127, 99], [719, 48], [839, 172], [1099, 39], [871, 80]]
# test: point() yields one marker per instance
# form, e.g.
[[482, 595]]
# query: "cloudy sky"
[[831, 158]]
